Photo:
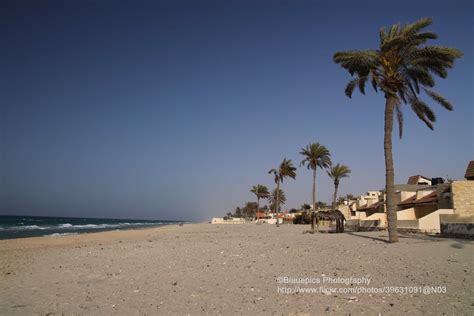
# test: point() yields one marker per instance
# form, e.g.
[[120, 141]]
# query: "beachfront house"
[[421, 212], [423, 205], [370, 209], [442, 208]]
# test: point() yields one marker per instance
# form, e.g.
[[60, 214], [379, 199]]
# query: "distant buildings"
[[426, 205], [227, 220]]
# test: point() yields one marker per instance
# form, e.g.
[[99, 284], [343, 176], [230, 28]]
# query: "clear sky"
[[174, 109]]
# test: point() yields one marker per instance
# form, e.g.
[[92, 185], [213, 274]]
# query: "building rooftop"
[[414, 179], [470, 171], [431, 198], [410, 187], [372, 207], [427, 199]]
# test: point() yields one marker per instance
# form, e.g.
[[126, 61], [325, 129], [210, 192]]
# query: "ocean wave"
[[28, 227], [71, 227], [100, 226], [90, 226], [60, 234]]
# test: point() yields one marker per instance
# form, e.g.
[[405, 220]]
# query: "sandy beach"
[[233, 269]]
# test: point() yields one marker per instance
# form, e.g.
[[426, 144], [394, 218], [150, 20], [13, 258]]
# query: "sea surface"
[[34, 226]]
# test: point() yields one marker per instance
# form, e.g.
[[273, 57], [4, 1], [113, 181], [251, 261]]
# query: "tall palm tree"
[[316, 155], [261, 192], [277, 196], [336, 173], [402, 67], [286, 169]]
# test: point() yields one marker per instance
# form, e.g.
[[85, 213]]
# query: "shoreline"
[[90, 236]]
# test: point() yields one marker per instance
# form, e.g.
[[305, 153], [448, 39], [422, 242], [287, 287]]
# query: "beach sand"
[[231, 269]]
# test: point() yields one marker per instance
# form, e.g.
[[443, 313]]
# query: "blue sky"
[[174, 109]]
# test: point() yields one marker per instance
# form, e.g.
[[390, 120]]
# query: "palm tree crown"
[[316, 155], [272, 199], [402, 68], [260, 191], [286, 169], [337, 172]]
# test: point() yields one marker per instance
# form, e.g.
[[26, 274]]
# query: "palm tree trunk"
[[277, 203], [258, 204], [336, 186], [314, 200], [389, 171]]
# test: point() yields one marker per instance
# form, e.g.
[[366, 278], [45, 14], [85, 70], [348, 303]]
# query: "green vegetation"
[[277, 196], [285, 170], [315, 156], [336, 173], [247, 211], [401, 67], [261, 192]]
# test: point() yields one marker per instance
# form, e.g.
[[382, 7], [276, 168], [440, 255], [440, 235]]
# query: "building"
[[470, 171], [423, 205], [419, 179], [421, 212], [368, 212], [227, 220], [461, 222]]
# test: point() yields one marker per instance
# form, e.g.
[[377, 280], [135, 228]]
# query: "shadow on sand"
[[360, 234], [457, 243]]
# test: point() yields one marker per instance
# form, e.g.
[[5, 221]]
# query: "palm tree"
[[336, 173], [261, 192], [316, 155], [274, 196], [305, 207], [402, 67], [250, 209], [285, 170]]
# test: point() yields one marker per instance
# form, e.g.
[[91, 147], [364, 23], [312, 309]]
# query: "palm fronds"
[[402, 67]]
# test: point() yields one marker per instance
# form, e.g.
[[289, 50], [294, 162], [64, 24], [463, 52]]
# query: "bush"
[[302, 219]]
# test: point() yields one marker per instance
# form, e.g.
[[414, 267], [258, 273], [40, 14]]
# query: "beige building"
[[419, 179], [421, 212], [423, 205], [461, 222], [370, 211], [227, 220]]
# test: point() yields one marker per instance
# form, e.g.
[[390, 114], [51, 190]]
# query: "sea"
[[35, 226]]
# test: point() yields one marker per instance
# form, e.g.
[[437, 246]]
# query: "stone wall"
[[463, 197], [358, 225], [457, 226]]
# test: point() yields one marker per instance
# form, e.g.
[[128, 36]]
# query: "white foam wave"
[[60, 234], [68, 226], [29, 227]]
